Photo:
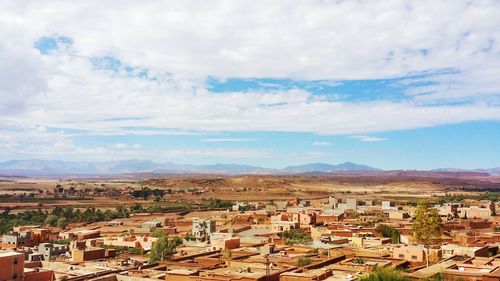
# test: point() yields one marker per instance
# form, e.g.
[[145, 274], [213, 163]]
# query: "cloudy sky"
[[392, 84]]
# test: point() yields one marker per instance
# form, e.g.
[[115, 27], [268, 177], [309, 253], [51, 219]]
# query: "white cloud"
[[120, 145], [322, 143], [368, 138], [309, 155], [181, 44], [313, 40], [219, 152], [228, 140]]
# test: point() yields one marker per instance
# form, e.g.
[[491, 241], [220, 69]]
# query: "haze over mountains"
[[34, 167], [53, 167]]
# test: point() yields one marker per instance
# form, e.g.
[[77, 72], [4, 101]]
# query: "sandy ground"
[[244, 188]]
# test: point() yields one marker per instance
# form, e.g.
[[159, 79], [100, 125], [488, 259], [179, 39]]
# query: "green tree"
[[162, 249], [158, 233], [61, 222], [395, 236], [293, 237], [426, 227], [303, 261], [384, 274], [389, 232], [51, 220]]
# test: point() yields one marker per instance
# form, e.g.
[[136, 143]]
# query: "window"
[[14, 276], [413, 257], [14, 261], [401, 256]]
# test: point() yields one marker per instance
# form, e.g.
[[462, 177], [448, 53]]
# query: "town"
[[338, 237], [243, 140]]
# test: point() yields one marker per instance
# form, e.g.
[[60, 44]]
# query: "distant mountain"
[[37, 167], [235, 169], [322, 167], [491, 171]]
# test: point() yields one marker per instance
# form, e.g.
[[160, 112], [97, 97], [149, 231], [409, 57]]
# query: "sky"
[[390, 84]]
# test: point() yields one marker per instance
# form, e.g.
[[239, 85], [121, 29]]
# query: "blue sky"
[[226, 83], [467, 145]]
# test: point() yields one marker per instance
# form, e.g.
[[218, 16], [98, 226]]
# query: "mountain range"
[[37, 167], [58, 167]]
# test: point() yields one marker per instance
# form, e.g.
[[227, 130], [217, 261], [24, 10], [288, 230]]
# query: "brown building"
[[11, 266], [327, 219], [87, 254]]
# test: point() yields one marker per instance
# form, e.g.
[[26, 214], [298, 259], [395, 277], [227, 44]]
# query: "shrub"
[[384, 274], [303, 261]]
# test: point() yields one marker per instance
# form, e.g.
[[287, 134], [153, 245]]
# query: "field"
[[25, 194]]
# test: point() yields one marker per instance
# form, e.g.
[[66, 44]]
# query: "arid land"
[[20, 194]]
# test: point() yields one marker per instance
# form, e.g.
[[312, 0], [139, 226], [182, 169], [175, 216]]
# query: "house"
[[351, 204], [475, 212], [360, 240], [281, 206], [398, 214], [450, 250], [51, 251], [17, 239], [150, 225], [224, 241], [414, 254], [304, 218], [81, 252], [80, 234], [201, 229], [144, 243], [11, 266], [281, 226], [320, 233], [388, 205], [327, 218]]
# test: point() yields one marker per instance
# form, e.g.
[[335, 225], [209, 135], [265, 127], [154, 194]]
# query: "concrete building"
[[51, 251], [388, 205], [351, 204], [475, 212], [150, 225], [332, 202], [414, 254], [398, 214], [281, 206], [224, 241], [304, 218], [362, 241], [304, 203], [469, 251], [81, 234], [81, 255], [144, 243], [328, 218], [11, 266], [448, 211], [280, 226], [201, 229], [17, 239]]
